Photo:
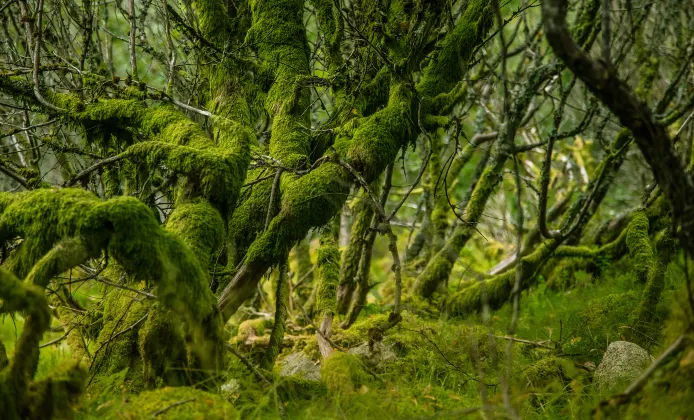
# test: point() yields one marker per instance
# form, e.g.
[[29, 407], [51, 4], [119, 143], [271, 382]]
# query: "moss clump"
[[543, 372], [343, 373], [178, 403], [293, 388], [253, 327]]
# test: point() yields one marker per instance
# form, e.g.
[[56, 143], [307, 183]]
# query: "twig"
[[124, 287], [94, 167], [520, 340], [169, 407]]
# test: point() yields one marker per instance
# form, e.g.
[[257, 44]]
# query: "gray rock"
[[380, 353], [230, 389], [298, 364], [621, 364]]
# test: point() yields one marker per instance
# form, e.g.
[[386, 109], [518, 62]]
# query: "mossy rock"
[[300, 365], [178, 403], [622, 363], [252, 328], [343, 373], [375, 354]]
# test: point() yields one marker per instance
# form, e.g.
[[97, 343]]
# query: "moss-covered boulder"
[[374, 353], [622, 363], [300, 365]]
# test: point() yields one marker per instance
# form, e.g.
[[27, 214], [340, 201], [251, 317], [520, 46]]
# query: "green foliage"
[[177, 403]]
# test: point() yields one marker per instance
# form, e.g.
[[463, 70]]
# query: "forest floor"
[[425, 367]]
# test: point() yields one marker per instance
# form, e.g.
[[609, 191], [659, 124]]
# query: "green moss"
[[441, 208], [113, 355], [253, 327], [281, 311], [248, 220], [278, 34], [303, 268], [590, 330], [378, 139], [20, 396], [498, 288], [331, 25], [65, 255], [311, 200], [640, 246], [133, 237], [587, 26], [162, 348], [343, 373], [349, 269], [328, 266], [644, 316], [308, 201], [58, 395], [293, 389], [178, 403], [448, 66], [4, 361], [199, 226]]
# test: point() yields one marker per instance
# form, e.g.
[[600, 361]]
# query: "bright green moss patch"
[[177, 403], [343, 373]]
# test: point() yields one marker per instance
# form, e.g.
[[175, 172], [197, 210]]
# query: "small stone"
[[299, 364], [621, 364], [372, 357], [229, 389]]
